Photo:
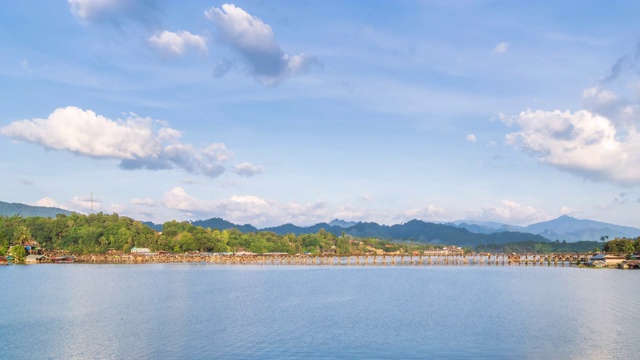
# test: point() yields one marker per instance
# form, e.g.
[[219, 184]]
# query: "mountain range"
[[462, 233], [565, 228]]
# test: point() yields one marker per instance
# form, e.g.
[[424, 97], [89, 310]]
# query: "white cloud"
[[114, 10], [429, 213], [218, 151], [255, 41], [608, 104], [177, 43], [565, 210], [85, 204], [137, 142], [241, 209], [247, 169], [48, 202], [583, 143], [471, 138], [178, 199], [510, 213], [144, 202], [25, 66], [501, 47]]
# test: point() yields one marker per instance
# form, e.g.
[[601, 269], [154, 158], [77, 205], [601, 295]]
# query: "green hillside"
[[12, 209]]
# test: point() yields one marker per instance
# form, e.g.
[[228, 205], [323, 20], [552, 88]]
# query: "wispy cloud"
[[247, 169], [115, 11], [501, 47], [623, 63], [427, 213], [143, 202], [510, 212], [255, 42]]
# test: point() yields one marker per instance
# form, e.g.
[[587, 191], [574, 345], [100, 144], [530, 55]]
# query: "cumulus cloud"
[[501, 48], [139, 143], [599, 142], [510, 212], [247, 169], [583, 143], [48, 202], [255, 42], [173, 43], [241, 209], [471, 138], [115, 11]]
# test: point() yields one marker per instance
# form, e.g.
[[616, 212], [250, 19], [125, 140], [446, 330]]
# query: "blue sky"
[[268, 112]]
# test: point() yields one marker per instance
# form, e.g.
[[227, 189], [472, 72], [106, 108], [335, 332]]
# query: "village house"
[[600, 260]]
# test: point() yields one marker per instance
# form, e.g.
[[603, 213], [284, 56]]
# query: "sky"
[[273, 112]]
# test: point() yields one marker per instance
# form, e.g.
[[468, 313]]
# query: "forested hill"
[[12, 209], [221, 224], [415, 230]]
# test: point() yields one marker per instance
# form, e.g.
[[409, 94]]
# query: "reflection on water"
[[278, 312]]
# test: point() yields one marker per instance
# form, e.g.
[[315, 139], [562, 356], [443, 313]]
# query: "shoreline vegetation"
[[111, 238]]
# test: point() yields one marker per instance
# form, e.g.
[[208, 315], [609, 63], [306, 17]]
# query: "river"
[[197, 311]]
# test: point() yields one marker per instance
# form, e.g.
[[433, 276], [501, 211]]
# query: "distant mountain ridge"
[[572, 229], [12, 209], [463, 232], [414, 230]]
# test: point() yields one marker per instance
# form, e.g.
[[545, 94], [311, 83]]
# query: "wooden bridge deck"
[[336, 260]]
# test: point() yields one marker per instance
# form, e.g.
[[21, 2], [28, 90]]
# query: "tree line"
[[99, 233]]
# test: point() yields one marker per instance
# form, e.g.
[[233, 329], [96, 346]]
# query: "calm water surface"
[[293, 312]]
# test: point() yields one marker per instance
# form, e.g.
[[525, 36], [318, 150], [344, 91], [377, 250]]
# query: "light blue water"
[[296, 312]]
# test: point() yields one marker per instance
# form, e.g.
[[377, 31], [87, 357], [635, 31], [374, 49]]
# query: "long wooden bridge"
[[355, 260]]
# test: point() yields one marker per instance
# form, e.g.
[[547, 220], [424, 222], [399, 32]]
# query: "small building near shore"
[[606, 259], [35, 259], [137, 250], [3, 260]]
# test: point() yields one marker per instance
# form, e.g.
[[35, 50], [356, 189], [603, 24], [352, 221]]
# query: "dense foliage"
[[624, 245], [98, 233]]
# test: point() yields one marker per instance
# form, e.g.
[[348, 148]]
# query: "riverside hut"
[[606, 259]]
